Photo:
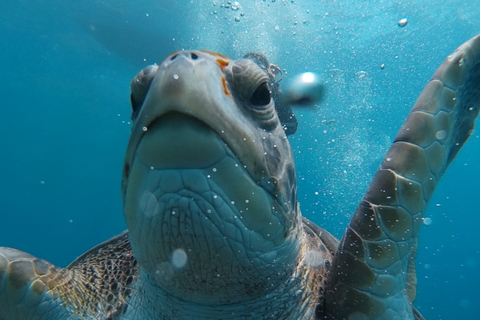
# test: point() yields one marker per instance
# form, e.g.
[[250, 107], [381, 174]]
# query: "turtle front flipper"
[[95, 286], [373, 273], [28, 285]]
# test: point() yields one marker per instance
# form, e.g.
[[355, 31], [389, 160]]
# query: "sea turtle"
[[214, 226]]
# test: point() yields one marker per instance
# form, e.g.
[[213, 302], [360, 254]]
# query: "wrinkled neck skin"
[[199, 250], [288, 299], [210, 195]]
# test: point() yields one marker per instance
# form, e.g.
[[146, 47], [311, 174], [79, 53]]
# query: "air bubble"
[[427, 221], [402, 22], [179, 258], [441, 134]]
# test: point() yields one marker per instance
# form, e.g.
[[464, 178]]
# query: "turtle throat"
[[201, 228]]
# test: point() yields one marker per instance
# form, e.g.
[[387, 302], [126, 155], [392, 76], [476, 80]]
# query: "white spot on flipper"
[[314, 259]]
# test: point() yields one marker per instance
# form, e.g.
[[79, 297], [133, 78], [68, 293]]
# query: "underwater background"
[[66, 68]]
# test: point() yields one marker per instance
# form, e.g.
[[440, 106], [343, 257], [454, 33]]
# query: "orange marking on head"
[[222, 63], [224, 84]]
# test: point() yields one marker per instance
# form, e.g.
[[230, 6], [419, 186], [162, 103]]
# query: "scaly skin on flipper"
[[214, 228], [94, 286], [373, 276]]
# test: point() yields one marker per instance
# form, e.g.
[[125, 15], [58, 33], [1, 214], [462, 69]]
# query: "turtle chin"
[[199, 225]]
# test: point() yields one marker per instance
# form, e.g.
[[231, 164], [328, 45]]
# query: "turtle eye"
[[261, 95], [139, 86]]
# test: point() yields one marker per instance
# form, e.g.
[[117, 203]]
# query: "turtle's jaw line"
[[178, 141]]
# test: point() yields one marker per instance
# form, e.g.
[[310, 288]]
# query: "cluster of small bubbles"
[[427, 221], [232, 5]]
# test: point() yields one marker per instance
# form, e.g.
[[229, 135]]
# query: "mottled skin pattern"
[[296, 270]]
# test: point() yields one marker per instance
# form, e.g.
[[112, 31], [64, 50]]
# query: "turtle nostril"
[[194, 56], [173, 57]]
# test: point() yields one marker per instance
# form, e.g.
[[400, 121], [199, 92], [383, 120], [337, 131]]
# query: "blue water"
[[64, 117]]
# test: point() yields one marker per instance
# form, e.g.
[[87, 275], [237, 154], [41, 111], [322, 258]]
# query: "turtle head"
[[209, 187]]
